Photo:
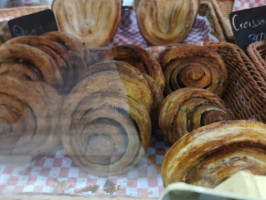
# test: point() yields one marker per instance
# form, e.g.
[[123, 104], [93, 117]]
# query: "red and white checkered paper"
[[56, 173], [245, 4]]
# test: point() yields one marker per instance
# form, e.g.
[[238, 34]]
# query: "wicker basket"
[[10, 13], [257, 53], [246, 90], [206, 9]]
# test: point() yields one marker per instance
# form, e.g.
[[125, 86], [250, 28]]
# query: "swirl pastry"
[[20, 71], [129, 80], [94, 21], [195, 67], [66, 55], [190, 108], [28, 117], [70, 41], [165, 22], [146, 63], [106, 127], [42, 62], [211, 154]]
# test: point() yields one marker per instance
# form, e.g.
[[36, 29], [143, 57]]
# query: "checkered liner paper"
[[56, 173]]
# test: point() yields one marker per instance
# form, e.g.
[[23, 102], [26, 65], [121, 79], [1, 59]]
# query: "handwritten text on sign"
[[249, 26], [34, 24]]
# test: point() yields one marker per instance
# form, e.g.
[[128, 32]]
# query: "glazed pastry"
[[211, 154], [190, 108], [28, 117], [106, 126], [165, 22], [146, 63], [42, 62], [194, 67], [94, 22]]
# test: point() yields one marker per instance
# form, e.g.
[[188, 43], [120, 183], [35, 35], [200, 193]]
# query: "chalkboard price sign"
[[34, 24], [249, 26]]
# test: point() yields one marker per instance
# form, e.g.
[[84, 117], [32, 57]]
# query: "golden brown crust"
[[28, 117], [126, 79], [20, 71], [69, 41], [146, 63], [40, 60], [213, 153], [94, 22], [107, 127], [139, 58], [195, 67], [165, 22], [188, 109]]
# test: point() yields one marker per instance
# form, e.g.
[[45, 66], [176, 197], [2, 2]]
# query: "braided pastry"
[[195, 67], [190, 108], [94, 21], [107, 127], [165, 22], [211, 154], [28, 117]]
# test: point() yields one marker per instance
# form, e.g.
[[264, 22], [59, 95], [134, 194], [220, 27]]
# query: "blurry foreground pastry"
[[105, 119], [190, 108], [28, 117], [195, 67], [94, 21], [209, 155], [165, 22]]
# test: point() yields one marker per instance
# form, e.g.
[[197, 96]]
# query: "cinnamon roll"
[[165, 22], [94, 21], [190, 108], [106, 125], [195, 67], [211, 154], [28, 117]]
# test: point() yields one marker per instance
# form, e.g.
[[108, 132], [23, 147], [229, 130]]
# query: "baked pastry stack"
[[28, 117], [56, 58], [187, 109], [147, 65], [209, 155], [194, 67], [105, 119], [94, 22], [165, 22]]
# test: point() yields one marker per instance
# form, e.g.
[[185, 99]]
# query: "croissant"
[[209, 155], [165, 22], [105, 121], [195, 67], [94, 22], [190, 108], [28, 117]]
